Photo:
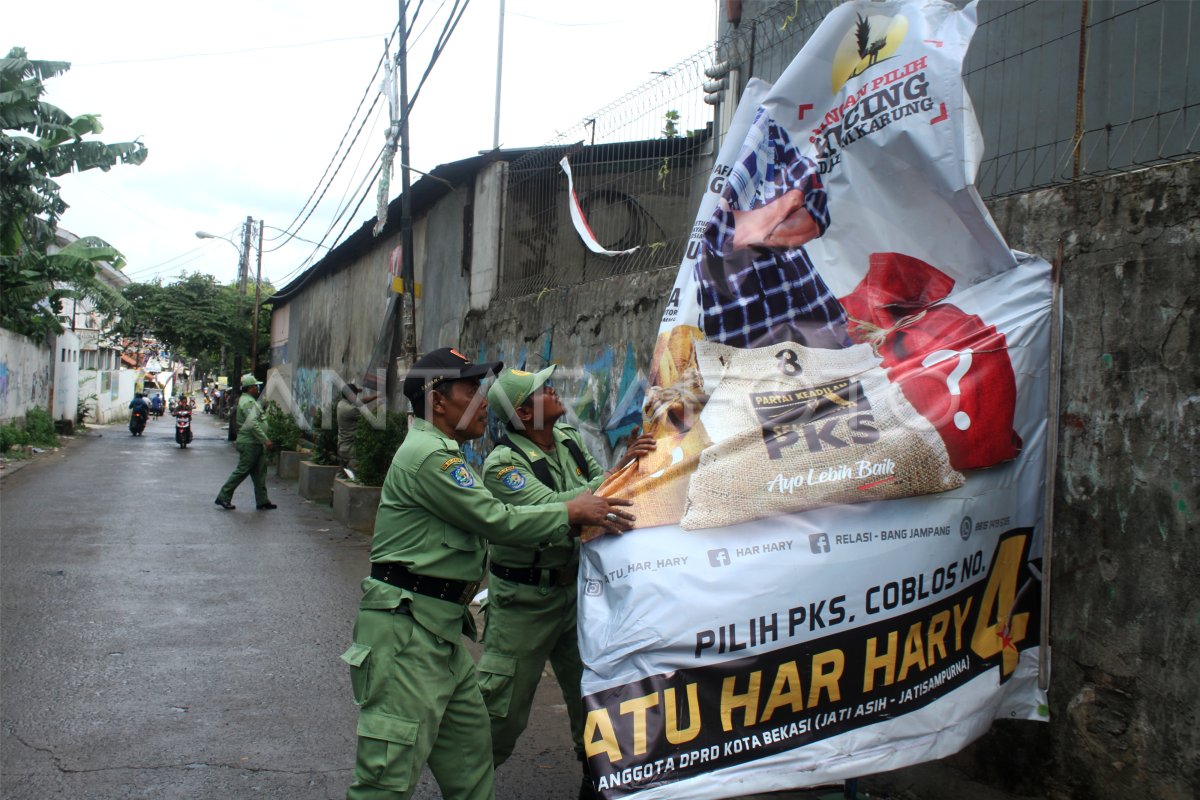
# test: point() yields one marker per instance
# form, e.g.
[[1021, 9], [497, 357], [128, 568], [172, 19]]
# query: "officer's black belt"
[[533, 575], [398, 575]]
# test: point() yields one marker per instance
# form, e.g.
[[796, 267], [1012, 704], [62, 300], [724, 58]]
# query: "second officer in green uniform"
[[252, 446], [531, 606], [412, 677]]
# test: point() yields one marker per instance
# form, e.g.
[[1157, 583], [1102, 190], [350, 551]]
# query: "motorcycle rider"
[[139, 413]]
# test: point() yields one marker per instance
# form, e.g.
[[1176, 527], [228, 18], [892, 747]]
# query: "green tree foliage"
[[38, 143], [194, 317]]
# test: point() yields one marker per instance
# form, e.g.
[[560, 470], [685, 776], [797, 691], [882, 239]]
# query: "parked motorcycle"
[[137, 421], [183, 425]]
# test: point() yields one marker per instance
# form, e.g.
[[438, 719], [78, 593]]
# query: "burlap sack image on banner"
[[796, 428]]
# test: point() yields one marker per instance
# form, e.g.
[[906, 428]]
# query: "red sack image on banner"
[[952, 366]]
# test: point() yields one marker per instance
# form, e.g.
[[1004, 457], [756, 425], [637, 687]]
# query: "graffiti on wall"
[[603, 395]]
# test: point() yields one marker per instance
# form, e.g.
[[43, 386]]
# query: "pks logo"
[[719, 557], [874, 38], [827, 417]]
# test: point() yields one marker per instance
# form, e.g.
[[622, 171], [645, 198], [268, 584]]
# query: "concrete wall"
[[445, 284], [332, 327], [25, 376], [1125, 625], [112, 390], [1125, 608], [488, 233], [64, 398]]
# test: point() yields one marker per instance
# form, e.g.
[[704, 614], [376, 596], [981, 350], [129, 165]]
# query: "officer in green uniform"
[[252, 445], [531, 605], [411, 675]]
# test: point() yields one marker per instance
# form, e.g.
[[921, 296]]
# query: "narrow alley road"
[[156, 646]]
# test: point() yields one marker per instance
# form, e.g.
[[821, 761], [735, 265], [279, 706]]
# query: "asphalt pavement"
[[153, 645]]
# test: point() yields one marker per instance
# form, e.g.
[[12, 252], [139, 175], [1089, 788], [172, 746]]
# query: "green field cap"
[[513, 387]]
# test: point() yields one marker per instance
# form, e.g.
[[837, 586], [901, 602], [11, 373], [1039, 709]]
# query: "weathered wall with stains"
[[24, 376], [332, 328], [1125, 617], [1125, 607]]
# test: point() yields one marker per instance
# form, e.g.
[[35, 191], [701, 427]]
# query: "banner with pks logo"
[[836, 567]]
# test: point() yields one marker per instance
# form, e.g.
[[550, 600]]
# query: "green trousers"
[[252, 462], [526, 627], [419, 703]]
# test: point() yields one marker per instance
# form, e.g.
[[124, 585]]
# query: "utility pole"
[[257, 295], [499, 72], [408, 342], [243, 279]]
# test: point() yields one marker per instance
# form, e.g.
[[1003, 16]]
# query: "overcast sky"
[[242, 104]]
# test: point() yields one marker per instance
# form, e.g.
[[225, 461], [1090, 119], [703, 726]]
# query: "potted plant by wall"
[[316, 474], [355, 502], [283, 430]]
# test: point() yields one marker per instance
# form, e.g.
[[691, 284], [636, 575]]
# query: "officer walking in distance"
[[531, 605], [252, 446], [412, 677]]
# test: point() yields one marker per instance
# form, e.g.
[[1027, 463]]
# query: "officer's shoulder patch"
[[511, 477], [451, 462], [462, 476]]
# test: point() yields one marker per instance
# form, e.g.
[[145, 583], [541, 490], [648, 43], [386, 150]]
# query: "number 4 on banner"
[[997, 628]]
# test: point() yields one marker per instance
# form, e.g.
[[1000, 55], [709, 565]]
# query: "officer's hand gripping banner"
[[836, 565]]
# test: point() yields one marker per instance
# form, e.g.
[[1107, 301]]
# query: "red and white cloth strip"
[[585, 231]]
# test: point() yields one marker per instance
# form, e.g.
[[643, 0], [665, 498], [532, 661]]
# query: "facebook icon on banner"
[[719, 557], [818, 542]]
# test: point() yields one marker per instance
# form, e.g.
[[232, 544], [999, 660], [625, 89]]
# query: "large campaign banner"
[[836, 568]]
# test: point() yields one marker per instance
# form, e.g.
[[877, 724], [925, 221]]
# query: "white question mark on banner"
[[961, 420]]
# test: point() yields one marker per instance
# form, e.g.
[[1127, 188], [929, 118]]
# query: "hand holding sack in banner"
[[657, 483], [951, 366], [798, 428]]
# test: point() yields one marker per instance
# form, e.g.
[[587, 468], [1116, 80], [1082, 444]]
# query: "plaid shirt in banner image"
[[758, 297]]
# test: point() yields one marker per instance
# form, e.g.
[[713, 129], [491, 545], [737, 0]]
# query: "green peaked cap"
[[512, 387]]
